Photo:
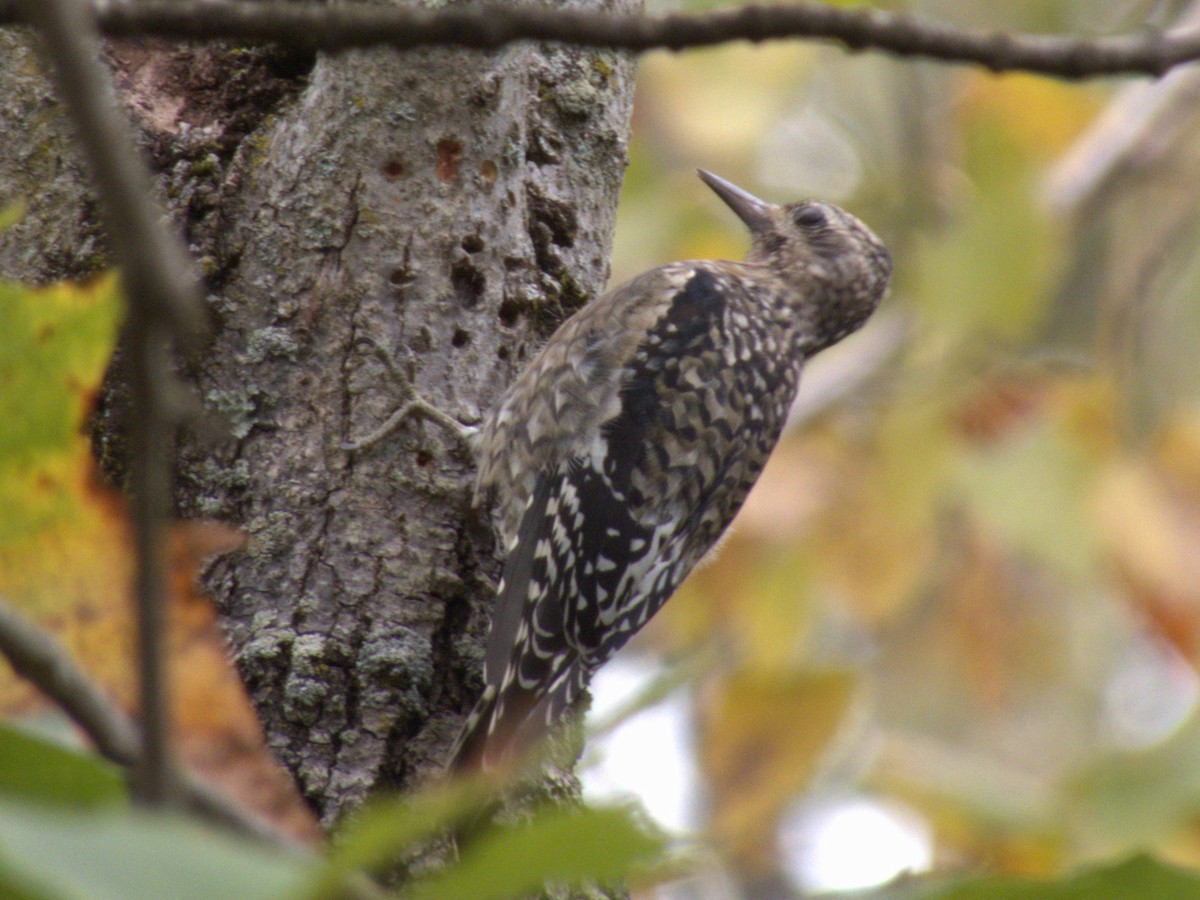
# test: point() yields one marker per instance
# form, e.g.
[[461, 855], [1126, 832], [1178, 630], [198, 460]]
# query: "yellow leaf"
[[1142, 529], [63, 556], [1041, 114], [876, 539], [763, 734], [1177, 453], [54, 344]]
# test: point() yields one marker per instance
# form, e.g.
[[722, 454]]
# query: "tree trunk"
[[452, 206]]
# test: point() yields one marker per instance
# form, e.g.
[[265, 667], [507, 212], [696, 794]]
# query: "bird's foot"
[[413, 405]]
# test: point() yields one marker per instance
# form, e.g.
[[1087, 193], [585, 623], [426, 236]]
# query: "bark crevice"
[[452, 205]]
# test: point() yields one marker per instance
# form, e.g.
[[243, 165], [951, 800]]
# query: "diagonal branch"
[[333, 28], [38, 658], [155, 267]]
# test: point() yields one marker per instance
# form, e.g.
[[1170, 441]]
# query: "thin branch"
[[164, 303], [1139, 127], [219, 808], [155, 267], [334, 28], [38, 658], [152, 444]]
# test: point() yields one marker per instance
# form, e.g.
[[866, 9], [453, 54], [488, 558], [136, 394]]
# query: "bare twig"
[[164, 303], [38, 658], [334, 28], [151, 469], [35, 656], [1139, 127], [219, 808], [155, 267]]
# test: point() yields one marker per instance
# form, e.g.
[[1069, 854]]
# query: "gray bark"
[[452, 205], [58, 236]]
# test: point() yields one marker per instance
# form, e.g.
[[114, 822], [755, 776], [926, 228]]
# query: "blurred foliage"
[[558, 847], [38, 770], [771, 725], [1136, 877], [124, 855], [65, 559], [969, 586], [66, 830], [996, 535]]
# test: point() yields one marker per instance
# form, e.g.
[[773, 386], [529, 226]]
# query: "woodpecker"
[[624, 449]]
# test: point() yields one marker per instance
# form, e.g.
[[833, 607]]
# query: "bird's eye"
[[810, 217]]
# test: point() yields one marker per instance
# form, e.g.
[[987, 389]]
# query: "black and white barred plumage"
[[626, 447]]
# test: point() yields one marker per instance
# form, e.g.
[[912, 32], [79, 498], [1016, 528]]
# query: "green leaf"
[[1137, 877], [130, 856], [39, 770], [56, 343], [381, 832], [1136, 797], [560, 846], [1032, 492], [988, 276]]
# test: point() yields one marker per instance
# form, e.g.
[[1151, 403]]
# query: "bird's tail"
[[498, 732], [507, 724], [502, 728], [468, 752]]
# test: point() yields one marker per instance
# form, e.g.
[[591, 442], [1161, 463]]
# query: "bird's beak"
[[754, 212]]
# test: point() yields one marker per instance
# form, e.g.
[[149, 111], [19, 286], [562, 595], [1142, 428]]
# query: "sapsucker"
[[624, 449]]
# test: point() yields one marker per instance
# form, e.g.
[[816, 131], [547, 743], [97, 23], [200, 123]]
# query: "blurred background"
[[956, 625]]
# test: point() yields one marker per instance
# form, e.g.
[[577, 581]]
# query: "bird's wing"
[[606, 535], [554, 408]]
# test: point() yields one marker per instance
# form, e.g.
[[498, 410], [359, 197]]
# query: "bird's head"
[[839, 268]]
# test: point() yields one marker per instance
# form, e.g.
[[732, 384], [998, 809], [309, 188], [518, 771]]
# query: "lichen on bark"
[[452, 205]]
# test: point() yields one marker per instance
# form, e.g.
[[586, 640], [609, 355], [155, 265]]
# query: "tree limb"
[[39, 659], [336, 28], [36, 657]]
